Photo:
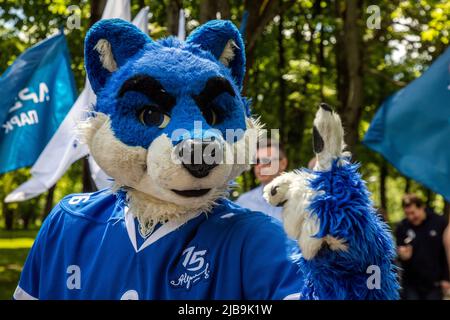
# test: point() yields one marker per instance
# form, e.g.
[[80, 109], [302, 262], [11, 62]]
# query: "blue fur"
[[345, 211], [181, 67], [126, 40], [213, 36]]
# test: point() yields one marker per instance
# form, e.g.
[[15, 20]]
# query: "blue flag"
[[37, 91], [412, 128]]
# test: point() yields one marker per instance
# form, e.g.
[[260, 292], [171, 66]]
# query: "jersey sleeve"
[[270, 263], [28, 287]]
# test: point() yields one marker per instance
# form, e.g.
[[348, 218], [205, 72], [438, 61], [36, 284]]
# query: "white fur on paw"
[[309, 244], [276, 191], [328, 136]]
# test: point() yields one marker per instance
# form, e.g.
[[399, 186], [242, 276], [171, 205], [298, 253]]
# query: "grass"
[[14, 247]]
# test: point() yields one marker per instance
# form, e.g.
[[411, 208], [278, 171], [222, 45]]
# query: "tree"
[[349, 55], [173, 9], [260, 14], [210, 8]]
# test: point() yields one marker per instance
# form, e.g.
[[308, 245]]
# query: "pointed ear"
[[223, 39], [108, 45]]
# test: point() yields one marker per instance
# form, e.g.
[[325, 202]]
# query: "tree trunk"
[[210, 8], [260, 13], [26, 222], [320, 61], [341, 76], [27, 216], [349, 54], [281, 83], [48, 202], [97, 7], [173, 11], [296, 131], [321, 53], [9, 216], [223, 6]]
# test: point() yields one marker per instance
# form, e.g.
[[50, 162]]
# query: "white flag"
[[101, 179], [181, 25], [64, 148], [117, 9], [141, 20]]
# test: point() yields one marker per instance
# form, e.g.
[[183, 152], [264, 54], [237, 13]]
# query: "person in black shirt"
[[420, 247]]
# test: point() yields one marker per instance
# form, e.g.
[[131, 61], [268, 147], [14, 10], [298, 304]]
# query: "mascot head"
[[169, 120]]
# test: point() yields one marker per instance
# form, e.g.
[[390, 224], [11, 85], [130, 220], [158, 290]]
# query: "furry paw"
[[294, 193], [276, 192], [291, 191], [328, 137]]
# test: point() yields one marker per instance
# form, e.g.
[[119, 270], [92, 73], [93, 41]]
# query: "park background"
[[299, 53]]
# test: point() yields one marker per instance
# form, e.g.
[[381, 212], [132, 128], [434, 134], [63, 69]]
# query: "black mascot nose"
[[199, 157]]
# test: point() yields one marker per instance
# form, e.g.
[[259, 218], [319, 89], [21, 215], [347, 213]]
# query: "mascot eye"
[[151, 116], [212, 114]]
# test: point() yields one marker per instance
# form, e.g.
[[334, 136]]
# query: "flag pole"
[[88, 183]]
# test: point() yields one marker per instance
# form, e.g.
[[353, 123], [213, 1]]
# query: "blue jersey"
[[89, 247]]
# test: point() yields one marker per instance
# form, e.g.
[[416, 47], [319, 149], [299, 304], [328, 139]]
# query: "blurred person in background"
[[421, 251], [271, 161]]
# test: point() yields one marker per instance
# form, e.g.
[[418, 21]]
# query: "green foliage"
[[14, 247]]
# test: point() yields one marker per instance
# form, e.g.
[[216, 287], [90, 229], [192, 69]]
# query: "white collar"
[[162, 231]]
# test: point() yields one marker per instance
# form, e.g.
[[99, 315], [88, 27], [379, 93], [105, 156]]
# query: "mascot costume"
[[166, 229]]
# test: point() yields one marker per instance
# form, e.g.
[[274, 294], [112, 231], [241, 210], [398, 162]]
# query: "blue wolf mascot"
[[166, 229]]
